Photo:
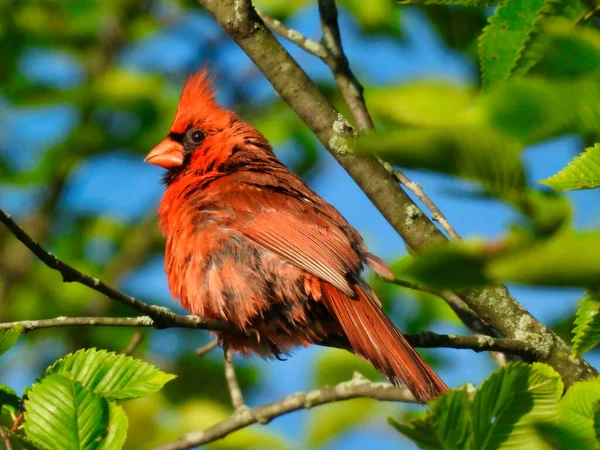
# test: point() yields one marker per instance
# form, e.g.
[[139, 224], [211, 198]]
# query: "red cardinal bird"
[[248, 242]]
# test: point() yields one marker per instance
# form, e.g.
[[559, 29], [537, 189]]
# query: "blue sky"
[[117, 184]]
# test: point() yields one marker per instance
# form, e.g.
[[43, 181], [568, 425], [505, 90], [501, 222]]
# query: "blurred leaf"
[[330, 421], [567, 259], [547, 211], [586, 334], [62, 414], [121, 87], [423, 103], [451, 2], [577, 410], [9, 400], [375, 16], [473, 153], [9, 337], [117, 428], [447, 425], [111, 375], [281, 9], [568, 52], [544, 109], [559, 437], [581, 173], [449, 266], [511, 401], [345, 364], [504, 40]]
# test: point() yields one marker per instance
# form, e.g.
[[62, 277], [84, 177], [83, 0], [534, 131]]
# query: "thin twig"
[[157, 314], [17, 422], [136, 340], [436, 213], [477, 343], [5, 438], [355, 388], [235, 392], [292, 35], [349, 86], [200, 351]]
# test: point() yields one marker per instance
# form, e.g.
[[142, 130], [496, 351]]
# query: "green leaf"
[[475, 153], [422, 103], [578, 407], [117, 428], [449, 266], [376, 16], [111, 375], [9, 400], [586, 334], [567, 52], [62, 414], [532, 109], [597, 422], [511, 401], [474, 3], [329, 422], [9, 337], [447, 425], [503, 41], [567, 259], [345, 364], [559, 437], [581, 173]]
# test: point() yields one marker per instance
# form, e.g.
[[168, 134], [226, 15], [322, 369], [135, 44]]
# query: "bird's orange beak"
[[168, 154]]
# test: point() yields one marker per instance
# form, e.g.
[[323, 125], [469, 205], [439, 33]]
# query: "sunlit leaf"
[[111, 375], [327, 423], [451, 2], [423, 103], [577, 410], [9, 337], [568, 259], [446, 425], [375, 16], [503, 40], [117, 428], [62, 414], [586, 334], [511, 401], [345, 364], [450, 266], [581, 173]]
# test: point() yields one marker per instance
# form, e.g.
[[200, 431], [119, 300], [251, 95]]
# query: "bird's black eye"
[[197, 136], [192, 138]]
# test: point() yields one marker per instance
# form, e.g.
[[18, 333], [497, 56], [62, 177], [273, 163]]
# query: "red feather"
[[249, 243]]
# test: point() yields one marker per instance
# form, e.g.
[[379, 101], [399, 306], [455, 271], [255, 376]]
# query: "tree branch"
[[356, 388], [352, 91], [494, 305], [477, 342], [294, 36], [235, 392]]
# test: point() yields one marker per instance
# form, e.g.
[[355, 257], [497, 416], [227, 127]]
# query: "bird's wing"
[[303, 229]]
